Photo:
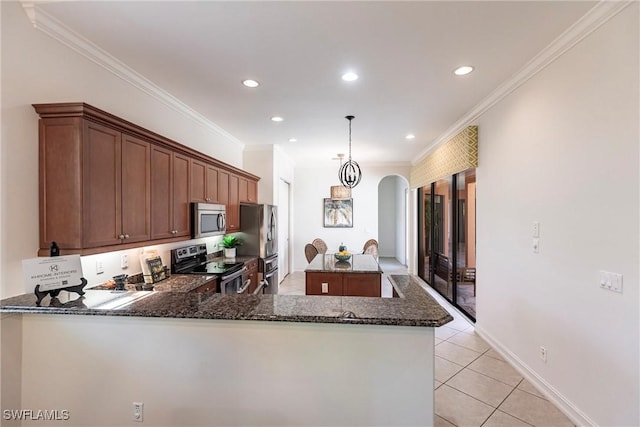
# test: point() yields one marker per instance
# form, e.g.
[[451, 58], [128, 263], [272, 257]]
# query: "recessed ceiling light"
[[350, 76], [293, 140], [276, 119], [461, 71], [410, 136], [250, 83]]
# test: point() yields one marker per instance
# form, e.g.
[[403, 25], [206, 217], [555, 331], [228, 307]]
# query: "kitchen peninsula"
[[212, 359]]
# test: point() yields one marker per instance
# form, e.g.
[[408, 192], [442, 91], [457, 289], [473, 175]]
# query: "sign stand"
[[55, 251]]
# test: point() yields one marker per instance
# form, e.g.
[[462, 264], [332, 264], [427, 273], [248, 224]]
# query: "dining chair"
[[371, 247], [320, 245], [310, 251]]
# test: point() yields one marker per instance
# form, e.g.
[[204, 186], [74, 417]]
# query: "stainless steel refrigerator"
[[259, 234]]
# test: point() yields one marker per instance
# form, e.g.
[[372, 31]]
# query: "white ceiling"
[[404, 52]]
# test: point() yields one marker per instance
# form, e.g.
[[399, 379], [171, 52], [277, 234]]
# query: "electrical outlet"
[[543, 354], [124, 261], [138, 411], [536, 246], [99, 267], [325, 288]]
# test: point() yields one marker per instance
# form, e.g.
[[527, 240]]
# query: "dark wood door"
[[362, 285], [223, 187], [161, 192], [136, 189], [315, 280], [181, 197], [198, 181], [233, 207], [102, 182], [211, 184]]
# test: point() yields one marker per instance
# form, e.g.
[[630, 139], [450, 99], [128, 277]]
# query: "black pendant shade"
[[350, 173]]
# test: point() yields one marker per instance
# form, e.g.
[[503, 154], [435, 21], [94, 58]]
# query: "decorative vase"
[[229, 252]]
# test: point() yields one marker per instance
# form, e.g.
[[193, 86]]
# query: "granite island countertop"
[[358, 263], [413, 307]]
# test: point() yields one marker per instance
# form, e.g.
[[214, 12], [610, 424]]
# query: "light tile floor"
[[474, 385]]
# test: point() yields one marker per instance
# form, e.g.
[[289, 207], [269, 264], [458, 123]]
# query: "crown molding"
[[60, 32], [592, 20]]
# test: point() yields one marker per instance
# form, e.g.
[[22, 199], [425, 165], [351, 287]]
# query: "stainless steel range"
[[193, 260]]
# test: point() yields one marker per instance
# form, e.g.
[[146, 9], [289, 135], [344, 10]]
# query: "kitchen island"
[[212, 359], [360, 276]]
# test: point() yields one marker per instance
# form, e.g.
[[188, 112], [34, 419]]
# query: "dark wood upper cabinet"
[[233, 206], [107, 184], [204, 182]]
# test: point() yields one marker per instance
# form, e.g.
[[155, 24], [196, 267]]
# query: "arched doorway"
[[393, 197]]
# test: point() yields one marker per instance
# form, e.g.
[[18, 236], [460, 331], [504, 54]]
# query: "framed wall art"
[[338, 213]]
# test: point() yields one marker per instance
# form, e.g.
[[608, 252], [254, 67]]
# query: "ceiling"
[[404, 53]]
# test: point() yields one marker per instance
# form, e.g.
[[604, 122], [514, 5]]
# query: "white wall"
[[226, 373], [313, 184], [38, 69], [392, 223], [563, 150]]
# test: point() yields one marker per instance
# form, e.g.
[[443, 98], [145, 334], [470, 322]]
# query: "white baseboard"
[[574, 413]]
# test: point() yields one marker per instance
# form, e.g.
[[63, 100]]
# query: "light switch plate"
[[536, 246], [536, 229], [611, 281], [325, 288]]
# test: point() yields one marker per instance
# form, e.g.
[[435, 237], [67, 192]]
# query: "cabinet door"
[[181, 198], [247, 190], [252, 191], [211, 183], [198, 181], [136, 189], [315, 280], [223, 187], [233, 207], [161, 192], [101, 192], [362, 284], [243, 189]]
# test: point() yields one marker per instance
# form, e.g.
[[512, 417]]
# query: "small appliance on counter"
[[193, 260], [260, 238]]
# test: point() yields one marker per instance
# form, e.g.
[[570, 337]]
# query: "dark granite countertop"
[[358, 263], [414, 307]]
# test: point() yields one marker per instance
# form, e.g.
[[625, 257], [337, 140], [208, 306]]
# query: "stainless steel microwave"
[[208, 220]]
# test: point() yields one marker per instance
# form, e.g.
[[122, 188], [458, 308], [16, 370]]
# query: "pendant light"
[[339, 192], [350, 173]]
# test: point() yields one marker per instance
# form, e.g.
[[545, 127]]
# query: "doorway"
[[447, 239], [283, 229], [393, 191]]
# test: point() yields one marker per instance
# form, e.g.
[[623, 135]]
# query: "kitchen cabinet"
[[359, 277], [248, 190], [169, 194], [323, 284], [233, 206], [210, 286], [107, 184], [204, 182], [251, 274], [94, 185]]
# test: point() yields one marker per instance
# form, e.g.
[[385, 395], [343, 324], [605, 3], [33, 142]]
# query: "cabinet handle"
[[121, 237], [126, 236], [174, 231]]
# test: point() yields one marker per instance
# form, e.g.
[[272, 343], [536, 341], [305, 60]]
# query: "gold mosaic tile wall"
[[456, 155]]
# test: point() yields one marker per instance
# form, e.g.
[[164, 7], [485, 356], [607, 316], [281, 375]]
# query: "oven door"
[[268, 277], [232, 283]]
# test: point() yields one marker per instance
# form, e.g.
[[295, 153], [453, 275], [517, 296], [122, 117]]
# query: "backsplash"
[[111, 262]]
